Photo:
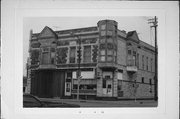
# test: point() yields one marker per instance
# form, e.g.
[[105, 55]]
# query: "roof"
[[132, 35], [47, 32]]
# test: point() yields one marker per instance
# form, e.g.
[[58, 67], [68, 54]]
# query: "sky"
[[140, 24]]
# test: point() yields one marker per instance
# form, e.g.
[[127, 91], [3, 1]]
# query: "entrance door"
[[107, 84], [68, 84], [68, 89]]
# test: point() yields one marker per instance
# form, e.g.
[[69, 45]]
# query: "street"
[[99, 103]]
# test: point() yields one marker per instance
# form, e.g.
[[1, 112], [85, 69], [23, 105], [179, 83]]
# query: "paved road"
[[98, 103]]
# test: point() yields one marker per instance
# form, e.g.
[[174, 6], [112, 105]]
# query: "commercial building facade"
[[113, 63]]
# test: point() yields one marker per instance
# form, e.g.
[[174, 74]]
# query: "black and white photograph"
[[90, 62]]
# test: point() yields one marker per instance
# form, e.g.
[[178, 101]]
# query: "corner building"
[[114, 64]]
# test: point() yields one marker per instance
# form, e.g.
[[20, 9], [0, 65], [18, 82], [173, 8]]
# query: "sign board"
[[84, 74]]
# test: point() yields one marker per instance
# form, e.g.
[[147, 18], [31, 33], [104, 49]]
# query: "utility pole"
[[154, 24], [79, 63]]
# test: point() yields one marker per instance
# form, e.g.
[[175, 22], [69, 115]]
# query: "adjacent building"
[[113, 63]]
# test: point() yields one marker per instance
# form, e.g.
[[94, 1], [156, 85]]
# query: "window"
[[138, 60], [103, 27], [109, 86], [103, 33], [75, 86], [104, 83], [69, 75], [107, 77], [134, 53], [134, 58], [72, 55], [87, 54], [102, 46], [45, 58], [109, 33], [102, 55], [143, 62], [102, 58], [128, 44], [150, 81], [151, 64], [110, 46], [102, 40], [129, 52], [109, 52], [52, 57], [110, 40], [142, 79], [102, 52], [147, 63], [109, 58]]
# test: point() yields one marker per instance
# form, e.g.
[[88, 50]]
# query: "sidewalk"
[[102, 103]]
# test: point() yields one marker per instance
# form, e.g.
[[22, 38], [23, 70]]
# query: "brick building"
[[113, 63]]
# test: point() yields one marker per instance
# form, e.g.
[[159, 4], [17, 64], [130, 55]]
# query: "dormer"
[[47, 37], [47, 33], [133, 36]]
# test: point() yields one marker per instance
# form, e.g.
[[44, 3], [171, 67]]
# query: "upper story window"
[[103, 40], [150, 81], [110, 40], [109, 58], [102, 55], [53, 56], [110, 46], [142, 79], [128, 44], [72, 53], [134, 58], [103, 33], [109, 55], [109, 33], [87, 54], [109, 52], [103, 27], [151, 64], [102, 46], [45, 56], [138, 60], [142, 61], [129, 52], [147, 63], [102, 52]]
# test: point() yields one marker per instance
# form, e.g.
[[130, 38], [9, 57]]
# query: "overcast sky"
[[140, 24]]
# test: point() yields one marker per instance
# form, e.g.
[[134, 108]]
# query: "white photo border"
[[12, 101]]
